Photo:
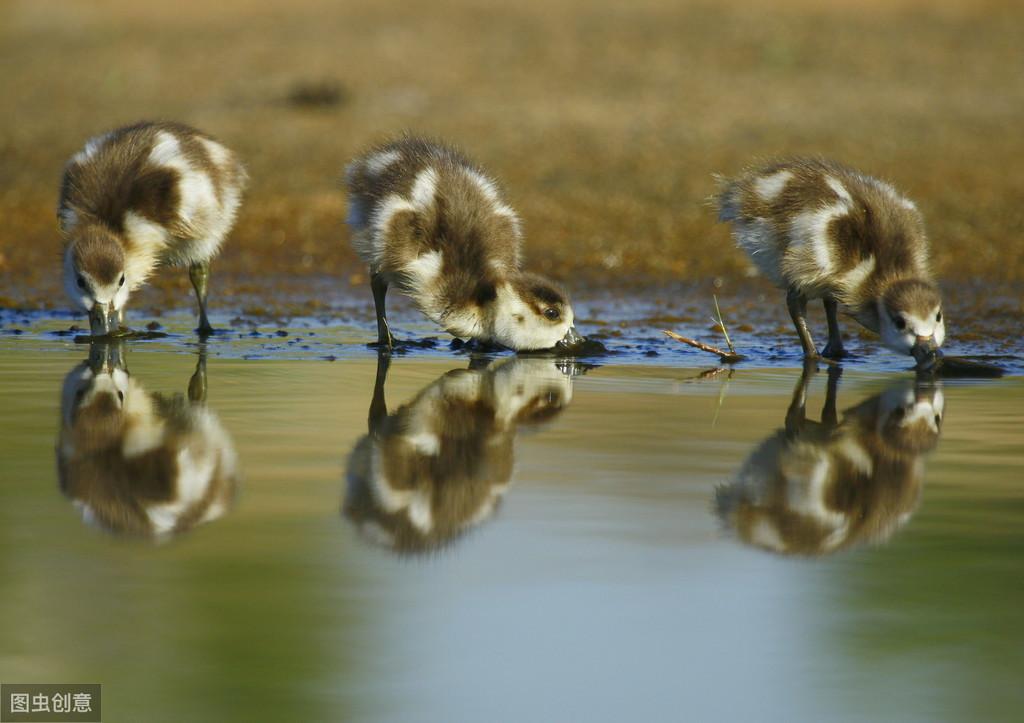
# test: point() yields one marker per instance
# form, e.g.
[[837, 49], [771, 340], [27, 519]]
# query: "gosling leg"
[[834, 348], [385, 340], [199, 273], [797, 304]]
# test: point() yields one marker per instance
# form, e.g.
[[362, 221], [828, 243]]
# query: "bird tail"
[[727, 200]]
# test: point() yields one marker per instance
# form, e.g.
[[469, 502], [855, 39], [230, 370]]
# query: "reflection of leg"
[[380, 291], [197, 384], [378, 406], [199, 272], [834, 347], [797, 412], [797, 304], [829, 416]]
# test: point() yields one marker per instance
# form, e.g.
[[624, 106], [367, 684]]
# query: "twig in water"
[[729, 357]]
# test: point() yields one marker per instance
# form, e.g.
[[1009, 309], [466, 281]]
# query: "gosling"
[[821, 230], [439, 466], [139, 198], [814, 488], [138, 463], [429, 221]]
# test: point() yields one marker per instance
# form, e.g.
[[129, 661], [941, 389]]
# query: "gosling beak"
[[925, 352], [102, 319], [106, 356], [571, 339]]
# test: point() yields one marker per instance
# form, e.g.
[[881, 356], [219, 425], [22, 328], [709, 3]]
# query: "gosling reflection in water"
[[139, 463], [814, 488], [438, 466]]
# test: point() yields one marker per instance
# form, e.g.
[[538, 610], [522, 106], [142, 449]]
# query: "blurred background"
[[604, 120]]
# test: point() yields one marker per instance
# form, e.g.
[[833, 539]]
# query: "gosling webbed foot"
[[385, 343], [834, 351], [384, 348]]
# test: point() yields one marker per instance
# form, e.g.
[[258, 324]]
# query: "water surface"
[[508, 539]]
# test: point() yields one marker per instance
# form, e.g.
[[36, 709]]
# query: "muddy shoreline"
[[328, 321]]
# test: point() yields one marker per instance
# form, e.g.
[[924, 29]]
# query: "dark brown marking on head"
[[97, 251], [541, 295], [912, 296], [545, 292]]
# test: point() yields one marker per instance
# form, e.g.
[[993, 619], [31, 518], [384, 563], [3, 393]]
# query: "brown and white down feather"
[[426, 219]]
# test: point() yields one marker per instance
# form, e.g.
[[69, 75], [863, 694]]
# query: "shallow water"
[[525, 539]]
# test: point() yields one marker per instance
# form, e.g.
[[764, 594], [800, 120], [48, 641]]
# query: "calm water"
[[520, 540]]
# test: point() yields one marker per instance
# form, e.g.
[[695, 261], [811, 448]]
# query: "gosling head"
[[93, 397], [530, 391], [909, 417], [532, 313], [910, 320], [94, 277]]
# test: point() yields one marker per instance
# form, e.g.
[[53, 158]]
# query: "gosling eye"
[[938, 317], [121, 282], [80, 281], [900, 322], [551, 313]]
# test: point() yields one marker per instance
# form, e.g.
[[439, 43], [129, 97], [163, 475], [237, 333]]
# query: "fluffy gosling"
[[821, 230], [813, 488], [429, 221], [139, 198], [439, 465], [139, 463]]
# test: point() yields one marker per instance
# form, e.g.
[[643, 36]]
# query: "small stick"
[[729, 357], [721, 323]]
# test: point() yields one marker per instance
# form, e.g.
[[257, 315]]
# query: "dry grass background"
[[605, 120]]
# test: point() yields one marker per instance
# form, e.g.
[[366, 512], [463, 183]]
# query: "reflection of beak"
[[925, 351], [102, 319], [572, 338], [105, 357]]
